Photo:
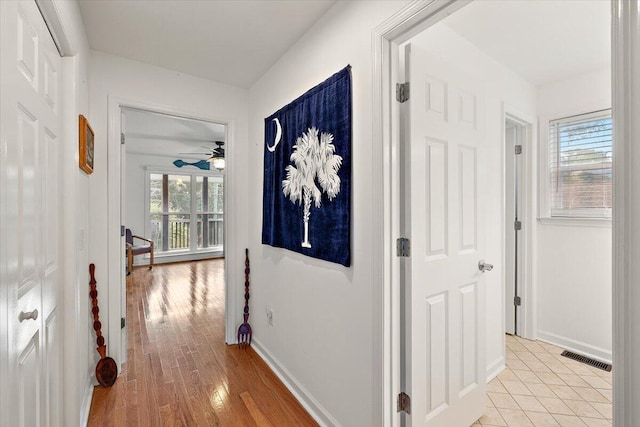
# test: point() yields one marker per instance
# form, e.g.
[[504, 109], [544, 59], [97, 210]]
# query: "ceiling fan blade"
[[194, 154]]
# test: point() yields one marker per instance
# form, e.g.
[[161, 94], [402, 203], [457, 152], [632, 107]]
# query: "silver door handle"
[[26, 316], [483, 266]]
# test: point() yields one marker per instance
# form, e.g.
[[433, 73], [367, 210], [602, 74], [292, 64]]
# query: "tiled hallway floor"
[[541, 388]]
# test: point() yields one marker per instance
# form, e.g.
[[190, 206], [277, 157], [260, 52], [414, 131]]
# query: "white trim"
[[576, 346], [577, 222], [495, 368], [167, 258], [87, 398], [626, 229], [308, 402], [52, 17], [4, 275], [386, 38], [115, 245]]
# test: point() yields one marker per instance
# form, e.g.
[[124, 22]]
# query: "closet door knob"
[[33, 315]]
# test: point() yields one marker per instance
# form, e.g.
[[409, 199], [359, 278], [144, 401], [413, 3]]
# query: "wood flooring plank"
[[168, 416], [260, 419], [132, 404]]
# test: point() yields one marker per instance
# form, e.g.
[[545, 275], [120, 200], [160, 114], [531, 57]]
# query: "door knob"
[[483, 266], [26, 316]]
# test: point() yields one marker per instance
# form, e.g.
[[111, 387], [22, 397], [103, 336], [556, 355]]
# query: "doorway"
[[174, 184], [515, 149], [172, 194], [117, 216], [496, 218]]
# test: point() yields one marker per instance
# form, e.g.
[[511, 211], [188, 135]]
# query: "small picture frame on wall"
[[86, 145]]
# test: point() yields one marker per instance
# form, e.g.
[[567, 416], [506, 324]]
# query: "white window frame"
[[578, 217], [193, 174]]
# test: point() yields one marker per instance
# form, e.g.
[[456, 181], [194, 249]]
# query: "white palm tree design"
[[313, 158]]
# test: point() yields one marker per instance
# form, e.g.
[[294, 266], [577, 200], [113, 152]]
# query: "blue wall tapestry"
[[307, 173]]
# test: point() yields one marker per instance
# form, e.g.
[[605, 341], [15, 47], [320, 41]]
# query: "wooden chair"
[[133, 250]]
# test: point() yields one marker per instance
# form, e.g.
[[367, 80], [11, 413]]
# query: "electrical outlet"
[[269, 315]]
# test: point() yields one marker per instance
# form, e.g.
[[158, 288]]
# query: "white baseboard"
[[495, 367], [87, 397], [169, 258], [319, 414], [598, 353]]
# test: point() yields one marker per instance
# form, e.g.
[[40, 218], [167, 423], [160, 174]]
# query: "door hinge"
[[517, 225], [517, 301], [122, 138], [404, 403], [122, 323], [403, 247], [402, 92], [518, 149], [122, 231]]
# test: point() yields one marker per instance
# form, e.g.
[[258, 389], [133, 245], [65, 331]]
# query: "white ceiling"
[[541, 40], [232, 42], [236, 41], [161, 134]]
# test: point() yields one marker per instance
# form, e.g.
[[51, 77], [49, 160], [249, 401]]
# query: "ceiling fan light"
[[218, 162]]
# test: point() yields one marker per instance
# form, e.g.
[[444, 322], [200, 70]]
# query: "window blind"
[[580, 165]]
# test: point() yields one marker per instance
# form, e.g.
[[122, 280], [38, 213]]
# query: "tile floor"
[[541, 388]]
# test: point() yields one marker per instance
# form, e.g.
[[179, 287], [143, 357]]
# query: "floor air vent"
[[587, 360]]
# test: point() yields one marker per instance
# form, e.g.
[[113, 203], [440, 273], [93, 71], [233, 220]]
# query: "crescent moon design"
[[278, 136]]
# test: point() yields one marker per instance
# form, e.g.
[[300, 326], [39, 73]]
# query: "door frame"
[[386, 39], [625, 40], [527, 323], [413, 18], [116, 261]]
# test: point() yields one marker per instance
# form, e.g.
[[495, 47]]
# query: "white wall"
[[135, 190], [163, 90], [502, 86], [574, 257], [323, 322], [77, 340]]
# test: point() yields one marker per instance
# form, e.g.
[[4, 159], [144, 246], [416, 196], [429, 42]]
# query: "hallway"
[[179, 370]]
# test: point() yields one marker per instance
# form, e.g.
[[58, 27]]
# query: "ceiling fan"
[[215, 156]]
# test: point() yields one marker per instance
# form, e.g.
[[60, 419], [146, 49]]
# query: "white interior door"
[[30, 134], [444, 288]]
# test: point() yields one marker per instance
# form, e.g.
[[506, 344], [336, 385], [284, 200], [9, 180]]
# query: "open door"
[[514, 218], [444, 305], [123, 220]]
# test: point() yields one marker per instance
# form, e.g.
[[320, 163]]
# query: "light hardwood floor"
[[179, 370]]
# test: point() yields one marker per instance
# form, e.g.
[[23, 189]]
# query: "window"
[[209, 208], [175, 200], [580, 180]]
